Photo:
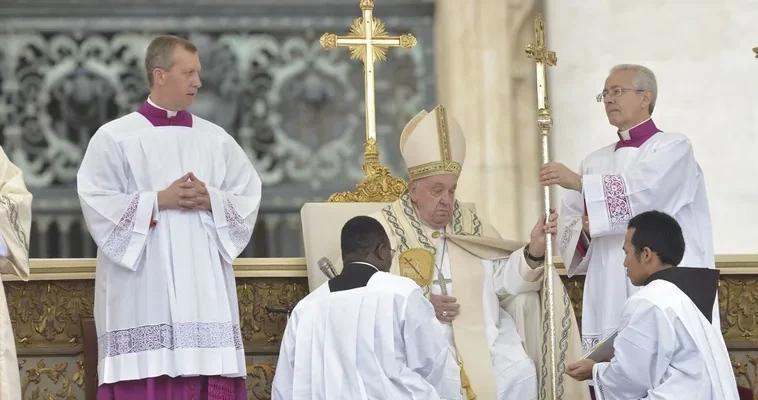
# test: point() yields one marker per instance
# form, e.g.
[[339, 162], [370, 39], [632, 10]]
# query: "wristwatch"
[[529, 255]]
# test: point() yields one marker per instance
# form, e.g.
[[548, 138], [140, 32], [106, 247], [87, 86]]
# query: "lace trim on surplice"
[[187, 335], [118, 241], [238, 231], [568, 231], [616, 201]]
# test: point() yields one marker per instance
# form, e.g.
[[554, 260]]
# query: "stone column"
[[488, 84]]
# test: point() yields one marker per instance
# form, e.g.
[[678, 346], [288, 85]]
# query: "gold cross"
[[368, 41], [538, 51], [542, 56]]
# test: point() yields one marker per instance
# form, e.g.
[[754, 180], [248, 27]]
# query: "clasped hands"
[[185, 193]]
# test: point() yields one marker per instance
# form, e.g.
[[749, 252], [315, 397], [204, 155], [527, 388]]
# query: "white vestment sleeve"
[[235, 204], [118, 221], [570, 232], [514, 276], [643, 350], [425, 344], [664, 180], [284, 376]]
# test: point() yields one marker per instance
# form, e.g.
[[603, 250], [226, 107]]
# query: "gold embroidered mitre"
[[433, 144]]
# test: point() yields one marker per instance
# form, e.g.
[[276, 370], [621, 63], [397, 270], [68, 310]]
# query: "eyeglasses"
[[615, 92], [392, 251]]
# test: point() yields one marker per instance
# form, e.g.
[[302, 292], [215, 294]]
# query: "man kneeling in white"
[[667, 346], [365, 334]]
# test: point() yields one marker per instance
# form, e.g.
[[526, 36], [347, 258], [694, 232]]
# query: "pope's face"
[[625, 106], [434, 197], [182, 81]]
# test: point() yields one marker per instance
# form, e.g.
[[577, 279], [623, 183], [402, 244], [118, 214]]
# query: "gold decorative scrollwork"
[[745, 367], [69, 388], [379, 185], [262, 332], [260, 378], [48, 314], [738, 306]]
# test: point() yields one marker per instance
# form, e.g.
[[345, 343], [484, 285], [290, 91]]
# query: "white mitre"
[[433, 144]]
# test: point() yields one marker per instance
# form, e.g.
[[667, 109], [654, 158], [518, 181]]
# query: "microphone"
[[327, 268]]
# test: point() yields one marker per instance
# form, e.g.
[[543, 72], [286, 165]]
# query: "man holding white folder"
[[666, 346]]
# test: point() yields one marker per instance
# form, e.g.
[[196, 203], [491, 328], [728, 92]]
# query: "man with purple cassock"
[[646, 169], [171, 200]]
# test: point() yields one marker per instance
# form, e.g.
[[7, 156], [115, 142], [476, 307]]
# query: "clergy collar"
[[161, 117], [699, 284], [637, 135], [354, 275]]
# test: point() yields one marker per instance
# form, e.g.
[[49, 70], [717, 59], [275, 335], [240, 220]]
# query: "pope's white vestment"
[[666, 349], [646, 170], [165, 294], [15, 225], [380, 341]]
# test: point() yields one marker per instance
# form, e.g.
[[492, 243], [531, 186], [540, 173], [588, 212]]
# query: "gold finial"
[[328, 40], [755, 50], [368, 41], [367, 4]]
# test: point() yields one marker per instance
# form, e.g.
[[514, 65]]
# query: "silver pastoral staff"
[[542, 56]]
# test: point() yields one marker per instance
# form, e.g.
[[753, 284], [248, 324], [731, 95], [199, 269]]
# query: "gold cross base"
[[377, 186]]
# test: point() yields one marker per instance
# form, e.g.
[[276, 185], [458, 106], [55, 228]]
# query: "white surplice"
[[662, 174], [165, 296], [381, 341], [515, 372], [665, 350]]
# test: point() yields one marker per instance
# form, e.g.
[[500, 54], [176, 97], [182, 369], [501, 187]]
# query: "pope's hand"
[[558, 174], [538, 240], [445, 307]]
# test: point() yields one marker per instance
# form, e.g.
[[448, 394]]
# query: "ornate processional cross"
[[543, 58], [368, 41]]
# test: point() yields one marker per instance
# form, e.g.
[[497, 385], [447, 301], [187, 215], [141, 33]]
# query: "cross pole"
[[543, 58], [368, 41]]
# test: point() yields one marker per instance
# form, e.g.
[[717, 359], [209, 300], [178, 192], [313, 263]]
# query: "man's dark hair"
[[660, 233], [362, 235]]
